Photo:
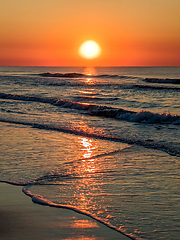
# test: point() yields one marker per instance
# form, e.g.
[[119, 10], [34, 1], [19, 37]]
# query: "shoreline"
[[21, 219]]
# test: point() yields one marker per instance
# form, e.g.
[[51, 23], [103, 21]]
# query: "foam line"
[[15, 182], [42, 201]]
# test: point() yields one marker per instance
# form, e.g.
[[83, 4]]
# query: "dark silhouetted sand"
[[21, 219]]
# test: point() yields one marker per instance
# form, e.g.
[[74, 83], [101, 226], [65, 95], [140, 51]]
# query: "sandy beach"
[[21, 219]]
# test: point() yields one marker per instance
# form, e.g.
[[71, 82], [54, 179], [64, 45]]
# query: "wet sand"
[[22, 219]]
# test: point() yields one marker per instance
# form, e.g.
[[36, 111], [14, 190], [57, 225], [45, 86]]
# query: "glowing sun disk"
[[89, 49]]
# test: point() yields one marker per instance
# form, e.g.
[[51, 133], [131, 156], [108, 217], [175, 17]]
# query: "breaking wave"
[[102, 110]]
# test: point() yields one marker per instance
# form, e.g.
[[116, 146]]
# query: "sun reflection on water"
[[84, 224], [89, 71], [88, 80], [87, 146], [88, 92], [86, 168]]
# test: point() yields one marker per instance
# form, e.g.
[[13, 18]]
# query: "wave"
[[109, 84], [156, 87], [62, 75], [81, 75], [150, 117], [102, 111], [83, 83], [95, 98], [144, 143], [75, 80], [111, 76], [163, 80]]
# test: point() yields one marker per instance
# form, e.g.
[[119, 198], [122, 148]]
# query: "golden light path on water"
[[89, 71]]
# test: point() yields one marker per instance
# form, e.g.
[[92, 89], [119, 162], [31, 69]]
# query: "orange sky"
[[130, 32]]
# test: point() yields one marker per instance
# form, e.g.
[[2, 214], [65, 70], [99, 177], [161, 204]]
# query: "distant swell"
[[80, 75], [102, 111], [78, 79], [161, 80], [62, 75]]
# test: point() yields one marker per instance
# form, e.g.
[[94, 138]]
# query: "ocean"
[[101, 141]]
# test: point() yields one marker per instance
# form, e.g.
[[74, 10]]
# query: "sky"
[[129, 32]]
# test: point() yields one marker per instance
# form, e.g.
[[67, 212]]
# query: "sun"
[[89, 49]]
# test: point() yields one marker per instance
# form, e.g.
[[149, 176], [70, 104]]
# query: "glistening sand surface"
[[21, 219]]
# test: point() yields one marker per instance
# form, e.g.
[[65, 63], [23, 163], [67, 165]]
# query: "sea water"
[[101, 141]]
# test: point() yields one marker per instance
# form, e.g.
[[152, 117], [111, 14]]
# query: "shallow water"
[[106, 144]]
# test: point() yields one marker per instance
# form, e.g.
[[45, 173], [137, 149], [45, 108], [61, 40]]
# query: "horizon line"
[[90, 66]]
